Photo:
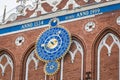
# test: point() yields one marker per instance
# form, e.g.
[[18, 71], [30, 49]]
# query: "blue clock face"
[[51, 67], [53, 44]]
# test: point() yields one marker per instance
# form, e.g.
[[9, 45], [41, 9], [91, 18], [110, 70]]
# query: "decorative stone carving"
[[12, 17], [75, 5], [36, 6], [30, 58], [109, 48], [22, 1], [90, 26], [97, 1], [20, 9], [53, 3], [19, 40], [9, 62]]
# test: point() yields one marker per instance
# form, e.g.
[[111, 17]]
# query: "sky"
[[10, 7]]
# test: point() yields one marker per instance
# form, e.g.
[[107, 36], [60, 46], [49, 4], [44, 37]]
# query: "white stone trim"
[[75, 5], [72, 54], [9, 62], [30, 58], [103, 43], [90, 26], [61, 69]]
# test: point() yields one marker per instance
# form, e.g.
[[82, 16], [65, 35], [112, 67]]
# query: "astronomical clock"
[[52, 45]]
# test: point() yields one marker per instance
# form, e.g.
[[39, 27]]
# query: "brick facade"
[[109, 67]]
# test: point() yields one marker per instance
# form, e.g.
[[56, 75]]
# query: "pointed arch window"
[[6, 66], [78, 49], [35, 65], [103, 44]]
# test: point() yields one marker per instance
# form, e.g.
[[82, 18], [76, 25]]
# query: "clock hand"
[[52, 42]]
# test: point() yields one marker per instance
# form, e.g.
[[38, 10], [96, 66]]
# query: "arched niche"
[[74, 62], [6, 66], [106, 56], [32, 68]]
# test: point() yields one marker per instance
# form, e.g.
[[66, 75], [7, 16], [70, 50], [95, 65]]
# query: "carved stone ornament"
[[20, 9], [90, 26], [36, 6], [53, 3], [4, 67], [102, 44], [19, 40]]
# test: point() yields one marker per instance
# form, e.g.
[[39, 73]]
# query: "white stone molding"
[[118, 20], [12, 17], [36, 6], [36, 61], [9, 62], [109, 48], [61, 69], [101, 0], [19, 40], [20, 11], [97, 1], [31, 58], [75, 5], [40, 8], [90, 26], [72, 54], [54, 4], [86, 1]]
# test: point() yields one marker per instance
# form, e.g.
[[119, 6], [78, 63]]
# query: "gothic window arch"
[[36, 64], [6, 66], [75, 51], [108, 57]]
